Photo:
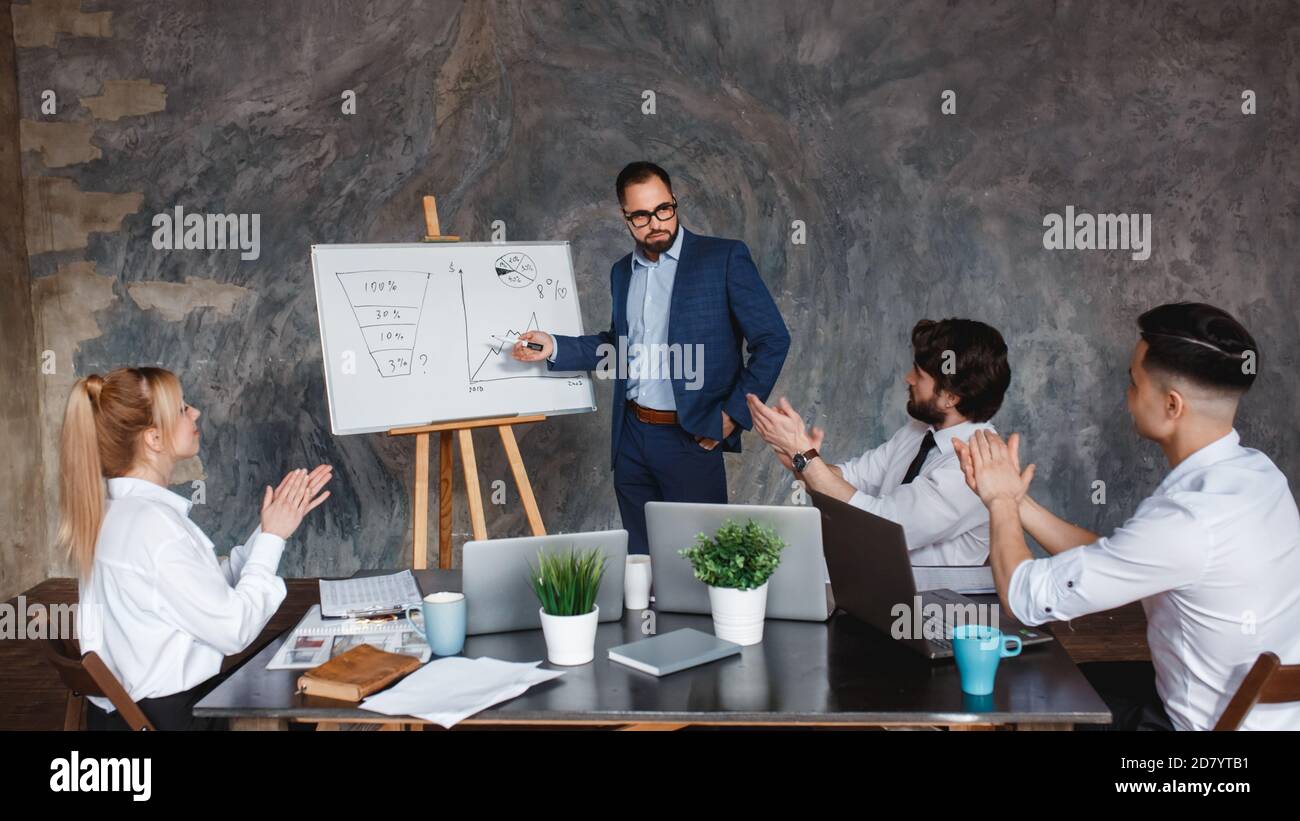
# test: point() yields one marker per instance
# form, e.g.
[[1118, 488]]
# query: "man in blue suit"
[[684, 307]]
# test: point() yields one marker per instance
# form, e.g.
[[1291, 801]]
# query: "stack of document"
[[368, 595], [452, 689], [316, 640]]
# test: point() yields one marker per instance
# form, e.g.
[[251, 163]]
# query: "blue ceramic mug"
[[978, 649], [443, 622]]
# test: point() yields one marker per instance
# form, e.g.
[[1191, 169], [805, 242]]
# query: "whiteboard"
[[409, 332]]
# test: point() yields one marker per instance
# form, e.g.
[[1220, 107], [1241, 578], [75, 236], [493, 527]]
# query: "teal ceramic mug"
[[978, 649]]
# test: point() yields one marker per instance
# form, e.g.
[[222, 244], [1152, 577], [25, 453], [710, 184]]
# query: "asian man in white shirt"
[[1213, 553], [955, 384]]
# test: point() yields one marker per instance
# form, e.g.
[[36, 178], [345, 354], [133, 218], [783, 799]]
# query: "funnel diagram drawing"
[[387, 306]]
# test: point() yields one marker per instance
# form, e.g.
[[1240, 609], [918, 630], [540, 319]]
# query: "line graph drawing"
[[496, 363], [387, 306]]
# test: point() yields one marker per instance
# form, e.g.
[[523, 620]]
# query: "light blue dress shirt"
[[649, 296]]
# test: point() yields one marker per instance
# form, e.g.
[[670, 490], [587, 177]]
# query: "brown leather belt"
[[651, 416]]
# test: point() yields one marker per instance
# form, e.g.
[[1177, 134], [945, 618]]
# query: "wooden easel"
[[464, 433]]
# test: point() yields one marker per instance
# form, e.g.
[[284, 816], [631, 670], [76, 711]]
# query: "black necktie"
[[914, 469]]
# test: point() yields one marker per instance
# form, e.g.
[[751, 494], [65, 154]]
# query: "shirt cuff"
[[555, 350], [1041, 590], [265, 550], [862, 501]]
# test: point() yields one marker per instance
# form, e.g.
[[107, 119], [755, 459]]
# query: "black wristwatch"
[[801, 460]]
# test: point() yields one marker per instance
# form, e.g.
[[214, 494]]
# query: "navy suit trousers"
[[662, 463]]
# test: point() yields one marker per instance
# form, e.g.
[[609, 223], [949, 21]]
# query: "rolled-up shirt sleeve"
[[1161, 548]]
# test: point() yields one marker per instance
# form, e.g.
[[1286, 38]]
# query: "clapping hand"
[[992, 467], [298, 494], [783, 429]]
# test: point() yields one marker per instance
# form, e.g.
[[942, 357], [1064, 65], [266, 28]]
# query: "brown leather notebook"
[[353, 675]]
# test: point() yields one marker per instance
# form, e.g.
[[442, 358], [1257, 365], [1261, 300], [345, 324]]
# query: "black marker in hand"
[[533, 346]]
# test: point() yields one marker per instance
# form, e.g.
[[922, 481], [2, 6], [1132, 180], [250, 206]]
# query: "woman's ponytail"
[[81, 475]]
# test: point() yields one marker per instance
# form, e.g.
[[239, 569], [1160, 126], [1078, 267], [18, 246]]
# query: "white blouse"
[[160, 609]]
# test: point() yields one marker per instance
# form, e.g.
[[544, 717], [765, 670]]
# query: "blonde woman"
[[155, 602]]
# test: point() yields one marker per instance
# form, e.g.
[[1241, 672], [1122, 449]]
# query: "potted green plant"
[[736, 565], [566, 585]]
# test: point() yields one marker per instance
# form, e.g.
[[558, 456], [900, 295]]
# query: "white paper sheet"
[[452, 689]]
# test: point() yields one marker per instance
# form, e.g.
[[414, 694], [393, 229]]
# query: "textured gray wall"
[[766, 113]]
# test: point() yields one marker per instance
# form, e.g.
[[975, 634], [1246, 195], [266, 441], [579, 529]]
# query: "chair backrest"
[[88, 675], [1268, 682]]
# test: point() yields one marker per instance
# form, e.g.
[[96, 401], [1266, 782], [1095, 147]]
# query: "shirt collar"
[[963, 431], [675, 251], [1218, 450], [123, 486]]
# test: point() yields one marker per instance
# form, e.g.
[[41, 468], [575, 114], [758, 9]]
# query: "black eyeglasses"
[[663, 212]]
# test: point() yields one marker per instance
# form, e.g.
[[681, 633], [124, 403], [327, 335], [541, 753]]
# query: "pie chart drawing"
[[516, 270]]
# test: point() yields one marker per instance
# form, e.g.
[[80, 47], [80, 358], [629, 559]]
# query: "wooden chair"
[[86, 676], [1268, 682]]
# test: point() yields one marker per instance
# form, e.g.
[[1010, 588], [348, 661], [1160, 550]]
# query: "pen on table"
[[536, 346]]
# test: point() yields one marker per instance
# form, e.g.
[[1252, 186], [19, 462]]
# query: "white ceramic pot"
[[570, 640], [738, 614]]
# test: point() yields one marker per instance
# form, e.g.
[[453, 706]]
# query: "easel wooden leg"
[[444, 499], [473, 493], [521, 479], [420, 515], [472, 490]]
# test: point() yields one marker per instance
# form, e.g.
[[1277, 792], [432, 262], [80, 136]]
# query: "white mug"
[[636, 582]]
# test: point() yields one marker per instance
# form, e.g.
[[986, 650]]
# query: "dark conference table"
[[839, 673]]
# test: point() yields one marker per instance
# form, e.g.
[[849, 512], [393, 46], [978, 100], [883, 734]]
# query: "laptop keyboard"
[[945, 644]]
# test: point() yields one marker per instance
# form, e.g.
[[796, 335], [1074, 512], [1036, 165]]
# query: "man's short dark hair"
[[1201, 343], [976, 371], [637, 172]]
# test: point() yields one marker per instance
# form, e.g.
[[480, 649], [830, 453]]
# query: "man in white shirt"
[[1213, 554], [955, 384]]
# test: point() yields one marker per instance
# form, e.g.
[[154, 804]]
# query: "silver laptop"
[[798, 588], [494, 578]]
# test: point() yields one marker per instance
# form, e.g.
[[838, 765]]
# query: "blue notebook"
[[669, 652]]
